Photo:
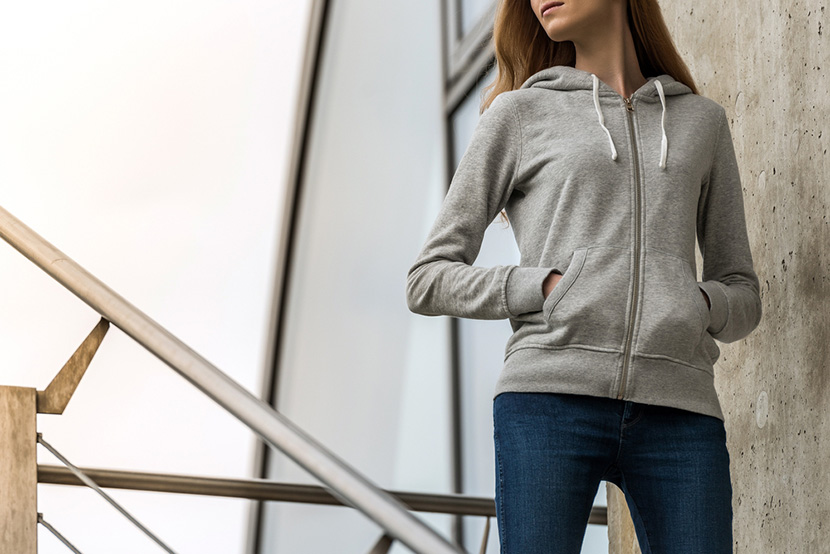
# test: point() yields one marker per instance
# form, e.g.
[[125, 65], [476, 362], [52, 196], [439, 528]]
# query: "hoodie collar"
[[565, 77]]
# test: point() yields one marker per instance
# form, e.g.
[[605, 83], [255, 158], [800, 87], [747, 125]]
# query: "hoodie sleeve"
[[443, 281], [729, 279]]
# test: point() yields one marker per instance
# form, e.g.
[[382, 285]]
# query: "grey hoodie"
[[611, 197]]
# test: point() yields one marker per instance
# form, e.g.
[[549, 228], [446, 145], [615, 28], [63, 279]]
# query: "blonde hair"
[[523, 48]]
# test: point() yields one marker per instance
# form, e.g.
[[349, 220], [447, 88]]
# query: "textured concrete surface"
[[767, 64], [622, 538]]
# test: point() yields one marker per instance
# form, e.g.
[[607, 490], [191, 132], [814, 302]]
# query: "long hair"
[[523, 48]]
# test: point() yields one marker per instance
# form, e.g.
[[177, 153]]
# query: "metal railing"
[[263, 489], [343, 481]]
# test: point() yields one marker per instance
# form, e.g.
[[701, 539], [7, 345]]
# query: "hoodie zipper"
[[629, 110]]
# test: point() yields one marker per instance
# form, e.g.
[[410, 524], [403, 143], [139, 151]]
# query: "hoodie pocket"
[[674, 313], [567, 280], [587, 306], [711, 349]]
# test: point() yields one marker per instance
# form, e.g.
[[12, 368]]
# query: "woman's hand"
[[550, 282]]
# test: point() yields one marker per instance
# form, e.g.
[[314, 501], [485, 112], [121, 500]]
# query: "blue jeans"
[[552, 451]]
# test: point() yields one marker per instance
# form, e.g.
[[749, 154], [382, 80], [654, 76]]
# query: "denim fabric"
[[553, 449]]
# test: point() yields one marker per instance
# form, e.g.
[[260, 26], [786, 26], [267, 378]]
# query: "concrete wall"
[[767, 64]]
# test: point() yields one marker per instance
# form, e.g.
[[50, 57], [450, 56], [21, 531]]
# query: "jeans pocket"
[[587, 306], [674, 312]]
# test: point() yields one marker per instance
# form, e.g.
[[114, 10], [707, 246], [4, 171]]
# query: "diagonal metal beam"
[[54, 399]]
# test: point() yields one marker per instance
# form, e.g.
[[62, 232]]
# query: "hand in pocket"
[[550, 282]]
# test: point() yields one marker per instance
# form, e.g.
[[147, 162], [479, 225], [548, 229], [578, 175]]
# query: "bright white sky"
[[148, 142]]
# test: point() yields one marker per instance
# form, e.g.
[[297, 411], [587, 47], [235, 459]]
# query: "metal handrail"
[[263, 489], [344, 482]]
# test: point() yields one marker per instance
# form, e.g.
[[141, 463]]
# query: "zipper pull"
[[628, 104]]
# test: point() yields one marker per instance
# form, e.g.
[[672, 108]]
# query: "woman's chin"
[[556, 33]]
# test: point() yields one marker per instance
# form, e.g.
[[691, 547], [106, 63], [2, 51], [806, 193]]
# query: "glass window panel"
[[471, 12], [358, 370]]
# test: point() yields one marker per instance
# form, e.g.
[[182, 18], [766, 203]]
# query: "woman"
[[608, 164]]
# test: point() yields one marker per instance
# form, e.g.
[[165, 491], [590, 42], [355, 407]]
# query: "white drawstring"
[[664, 142], [599, 114]]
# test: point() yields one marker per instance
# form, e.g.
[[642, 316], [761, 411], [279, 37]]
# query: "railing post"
[[18, 470]]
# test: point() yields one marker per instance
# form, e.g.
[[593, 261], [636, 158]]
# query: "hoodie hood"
[[656, 89], [565, 77]]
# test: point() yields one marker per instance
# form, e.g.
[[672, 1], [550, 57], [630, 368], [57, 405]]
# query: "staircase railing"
[[343, 481]]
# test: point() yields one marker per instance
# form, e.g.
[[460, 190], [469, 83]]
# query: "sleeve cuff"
[[719, 309], [524, 289]]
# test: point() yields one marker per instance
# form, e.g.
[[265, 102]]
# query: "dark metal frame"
[[466, 57], [466, 60], [315, 43]]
